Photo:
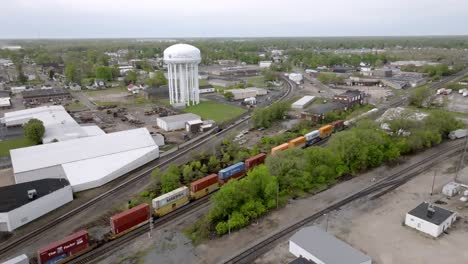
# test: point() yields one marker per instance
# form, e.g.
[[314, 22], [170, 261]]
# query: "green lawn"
[[119, 89], [6, 145], [218, 112], [203, 82]]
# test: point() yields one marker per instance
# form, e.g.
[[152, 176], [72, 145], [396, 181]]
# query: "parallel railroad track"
[[159, 163], [391, 182]]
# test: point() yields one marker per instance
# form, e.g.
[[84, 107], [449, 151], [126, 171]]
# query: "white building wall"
[[44, 173], [120, 172], [39, 207], [427, 227], [297, 251], [172, 125]]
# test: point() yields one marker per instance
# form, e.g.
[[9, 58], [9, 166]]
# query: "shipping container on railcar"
[[130, 219], [22, 259], [312, 137], [170, 201], [67, 247], [280, 148], [338, 125], [255, 161], [297, 142], [232, 172], [325, 131], [204, 186]]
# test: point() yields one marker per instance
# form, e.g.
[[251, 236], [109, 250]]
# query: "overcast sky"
[[234, 18]]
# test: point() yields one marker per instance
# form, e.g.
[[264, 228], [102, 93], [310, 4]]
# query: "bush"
[[34, 130], [144, 194], [132, 204]]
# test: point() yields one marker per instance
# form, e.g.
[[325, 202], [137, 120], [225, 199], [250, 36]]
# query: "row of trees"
[[330, 78], [295, 171], [264, 117]]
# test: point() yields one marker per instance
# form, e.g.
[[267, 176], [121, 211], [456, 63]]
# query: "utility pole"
[[326, 226], [462, 159], [433, 181]]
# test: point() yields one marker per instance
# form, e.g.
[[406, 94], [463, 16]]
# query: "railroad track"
[[29, 236], [391, 182]]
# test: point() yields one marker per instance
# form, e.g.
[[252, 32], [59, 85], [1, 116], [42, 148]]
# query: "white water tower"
[[182, 66]]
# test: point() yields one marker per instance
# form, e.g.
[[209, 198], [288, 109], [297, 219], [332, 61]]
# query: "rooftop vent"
[[32, 194], [430, 211]]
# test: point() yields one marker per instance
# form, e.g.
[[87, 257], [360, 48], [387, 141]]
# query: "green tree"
[[104, 72], [213, 164], [158, 80], [170, 180], [229, 96], [421, 96], [34, 130], [72, 73], [131, 77]]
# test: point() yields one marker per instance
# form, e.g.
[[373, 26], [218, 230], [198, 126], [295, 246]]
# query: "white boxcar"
[[459, 133], [170, 197]]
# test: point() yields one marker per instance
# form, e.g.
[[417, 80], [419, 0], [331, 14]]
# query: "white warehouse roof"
[[86, 162], [304, 101], [327, 248], [57, 122]]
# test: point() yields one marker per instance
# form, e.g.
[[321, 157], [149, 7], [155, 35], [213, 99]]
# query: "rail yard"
[[230, 151]]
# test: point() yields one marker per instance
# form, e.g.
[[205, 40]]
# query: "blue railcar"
[[233, 170]]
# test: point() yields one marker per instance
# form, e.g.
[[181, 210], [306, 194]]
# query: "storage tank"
[[182, 66]]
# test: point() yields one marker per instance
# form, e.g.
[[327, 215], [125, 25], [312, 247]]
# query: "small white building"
[[264, 64], [21, 259], [430, 219], [176, 122], [240, 94], [318, 246], [303, 102], [295, 77], [24, 202], [17, 89]]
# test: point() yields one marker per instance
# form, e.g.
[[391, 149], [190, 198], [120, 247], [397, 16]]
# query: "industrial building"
[[46, 96], [430, 219], [240, 94], [317, 113], [236, 71], [22, 203], [176, 122], [5, 101], [182, 65], [350, 98], [303, 102], [295, 77], [316, 245], [86, 162], [58, 124], [264, 64]]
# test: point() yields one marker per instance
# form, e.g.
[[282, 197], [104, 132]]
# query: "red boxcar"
[[203, 183], [69, 246], [338, 125], [129, 218], [255, 161]]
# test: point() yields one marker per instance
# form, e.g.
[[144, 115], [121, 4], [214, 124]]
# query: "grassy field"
[[215, 111], [6, 145], [105, 91]]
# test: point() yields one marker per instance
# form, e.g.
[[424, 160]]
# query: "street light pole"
[[433, 181], [326, 226], [277, 195], [229, 224]]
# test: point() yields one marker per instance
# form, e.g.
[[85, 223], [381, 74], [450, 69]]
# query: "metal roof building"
[[303, 102], [58, 123], [86, 162], [318, 246], [176, 122], [430, 219], [24, 202]]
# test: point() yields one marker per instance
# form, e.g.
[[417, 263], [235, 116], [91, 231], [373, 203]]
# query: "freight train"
[[122, 223], [312, 137]]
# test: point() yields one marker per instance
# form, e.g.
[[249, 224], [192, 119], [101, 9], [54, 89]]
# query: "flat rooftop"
[[180, 118], [326, 247], [437, 218], [15, 196]]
